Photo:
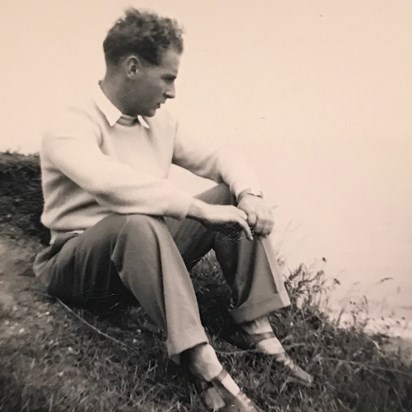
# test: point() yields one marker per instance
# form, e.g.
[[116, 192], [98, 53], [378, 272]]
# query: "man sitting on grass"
[[118, 226]]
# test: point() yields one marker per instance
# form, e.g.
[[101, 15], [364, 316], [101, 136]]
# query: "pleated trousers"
[[149, 258]]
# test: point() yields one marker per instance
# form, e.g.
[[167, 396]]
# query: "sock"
[[204, 362], [271, 346]]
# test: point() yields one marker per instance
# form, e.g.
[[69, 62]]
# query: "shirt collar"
[[112, 113]]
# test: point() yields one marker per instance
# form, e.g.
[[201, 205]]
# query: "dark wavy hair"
[[142, 33]]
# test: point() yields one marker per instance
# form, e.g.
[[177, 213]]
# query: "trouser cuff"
[[248, 312], [176, 344]]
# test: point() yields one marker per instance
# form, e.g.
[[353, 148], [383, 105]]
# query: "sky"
[[317, 95]]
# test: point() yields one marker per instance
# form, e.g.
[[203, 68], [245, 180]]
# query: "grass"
[[56, 358], [21, 197]]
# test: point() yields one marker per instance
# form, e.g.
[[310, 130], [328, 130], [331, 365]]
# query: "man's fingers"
[[260, 218], [243, 222], [227, 215], [252, 219], [264, 224], [247, 230], [242, 214], [259, 227], [268, 228]]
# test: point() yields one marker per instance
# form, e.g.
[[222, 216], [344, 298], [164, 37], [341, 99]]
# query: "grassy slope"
[[51, 360]]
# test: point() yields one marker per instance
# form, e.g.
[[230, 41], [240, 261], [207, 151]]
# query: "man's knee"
[[218, 195], [113, 226], [144, 225], [226, 196]]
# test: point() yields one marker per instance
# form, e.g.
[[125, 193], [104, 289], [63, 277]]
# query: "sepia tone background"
[[317, 95]]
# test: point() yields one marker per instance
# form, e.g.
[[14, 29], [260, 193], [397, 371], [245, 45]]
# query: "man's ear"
[[132, 65]]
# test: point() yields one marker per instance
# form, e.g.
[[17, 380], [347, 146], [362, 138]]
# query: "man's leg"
[[252, 271], [256, 279], [250, 267], [135, 252]]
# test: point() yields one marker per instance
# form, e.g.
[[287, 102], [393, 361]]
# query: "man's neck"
[[111, 88]]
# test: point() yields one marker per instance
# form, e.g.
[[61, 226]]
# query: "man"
[[119, 226]]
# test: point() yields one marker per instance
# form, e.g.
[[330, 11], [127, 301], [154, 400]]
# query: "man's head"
[[142, 53]]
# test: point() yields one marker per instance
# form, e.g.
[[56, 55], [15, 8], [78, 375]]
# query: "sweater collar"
[[112, 113]]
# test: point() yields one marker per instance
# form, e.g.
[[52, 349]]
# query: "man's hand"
[[219, 215], [259, 215]]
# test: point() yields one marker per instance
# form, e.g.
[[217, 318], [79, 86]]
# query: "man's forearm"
[[196, 210], [219, 215]]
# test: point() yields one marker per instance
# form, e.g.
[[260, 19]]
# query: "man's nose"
[[171, 92]]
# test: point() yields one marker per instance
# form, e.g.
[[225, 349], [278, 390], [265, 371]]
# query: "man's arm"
[[72, 148], [216, 163], [230, 168]]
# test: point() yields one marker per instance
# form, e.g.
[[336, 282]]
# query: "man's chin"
[[151, 112]]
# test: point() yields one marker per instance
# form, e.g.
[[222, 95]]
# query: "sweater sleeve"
[[72, 148], [218, 164]]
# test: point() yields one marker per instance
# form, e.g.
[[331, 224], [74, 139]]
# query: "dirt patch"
[[19, 312]]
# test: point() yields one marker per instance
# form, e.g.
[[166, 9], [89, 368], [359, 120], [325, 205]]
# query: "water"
[[353, 206]]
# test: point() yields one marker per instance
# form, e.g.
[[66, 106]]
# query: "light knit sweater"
[[96, 161]]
